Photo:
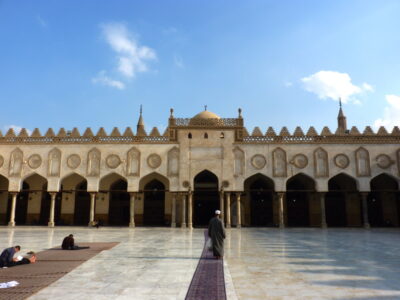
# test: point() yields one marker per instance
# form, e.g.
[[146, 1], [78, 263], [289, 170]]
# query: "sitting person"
[[69, 243], [7, 256], [29, 258]]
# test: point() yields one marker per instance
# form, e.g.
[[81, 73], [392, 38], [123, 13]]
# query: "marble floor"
[[158, 263]]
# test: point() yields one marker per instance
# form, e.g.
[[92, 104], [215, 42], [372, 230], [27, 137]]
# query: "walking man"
[[216, 232]]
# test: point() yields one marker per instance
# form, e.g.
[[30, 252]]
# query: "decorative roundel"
[[185, 184], [258, 161], [341, 160], [1, 161], [113, 161], [34, 161], [154, 160], [73, 161], [299, 161], [225, 183], [384, 161]]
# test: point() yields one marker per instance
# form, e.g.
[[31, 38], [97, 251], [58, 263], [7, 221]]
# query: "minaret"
[[342, 123], [140, 125]]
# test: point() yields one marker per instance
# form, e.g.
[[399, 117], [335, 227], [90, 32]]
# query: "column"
[[190, 210], [132, 210], [364, 205], [228, 210], [221, 205], [92, 205], [173, 210], [323, 212], [238, 210], [183, 223], [12, 213], [52, 207], [281, 196]]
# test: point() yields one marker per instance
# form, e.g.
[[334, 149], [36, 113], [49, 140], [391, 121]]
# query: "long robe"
[[216, 232], [6, 256]]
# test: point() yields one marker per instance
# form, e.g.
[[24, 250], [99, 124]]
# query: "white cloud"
[[334, 85], [16, 129], [131, 56], [391, 113], [105, 80]]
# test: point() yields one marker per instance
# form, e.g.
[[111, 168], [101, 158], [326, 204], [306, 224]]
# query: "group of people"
[[8, 260]]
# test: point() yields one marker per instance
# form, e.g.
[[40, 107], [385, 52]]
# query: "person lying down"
[[29, 258]]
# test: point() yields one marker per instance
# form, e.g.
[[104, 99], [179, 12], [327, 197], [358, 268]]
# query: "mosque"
[[341, 178]]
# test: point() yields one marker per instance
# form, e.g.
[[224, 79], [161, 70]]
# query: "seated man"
[[7, 256], [29, 258], [69, 243]]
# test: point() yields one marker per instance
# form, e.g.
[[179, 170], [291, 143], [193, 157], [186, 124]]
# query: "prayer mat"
[[208, 281], [50, 266]]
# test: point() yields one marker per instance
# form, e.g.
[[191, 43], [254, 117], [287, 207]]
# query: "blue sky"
[[92, 63]]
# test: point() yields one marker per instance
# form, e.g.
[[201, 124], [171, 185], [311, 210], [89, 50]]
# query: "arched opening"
[[189, 135], [4, 195], [383, 208], [82, 204], [341, 202], [259, 191], [154, 203], [206, 135], [205, 197], [118, 213], [46, 206], [299, 191]]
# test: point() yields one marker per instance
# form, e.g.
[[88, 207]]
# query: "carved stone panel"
[[54, 162], [113, 161], [16, 162], [173, 162], [34, 161], [93, 162], [279, 163], [73, 161], [238, 165], [133, 162], [299, 161], [258, 161], [362, 162], [321, 166], [154, 160], [384, 161], [1, 161], [341, 160]]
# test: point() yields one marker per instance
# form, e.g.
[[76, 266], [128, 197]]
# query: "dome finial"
[[205, 107], [171, 112]]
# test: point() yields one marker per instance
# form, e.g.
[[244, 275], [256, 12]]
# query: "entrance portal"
[[154, 203], [205, 198]]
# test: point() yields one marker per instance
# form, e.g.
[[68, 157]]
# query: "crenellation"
[[312, 132], [128, 132], [62, 133], [326, 131], [101, 132], [154, 132], [50, 133], [115, 132], [256, 132], [368, 131], [23, 133], [298, 132], [75, 133], [396, 131], [88, 133], [382, 131], [10, 133], [36, 133], [354, 131], [270, 132], [284, 132]]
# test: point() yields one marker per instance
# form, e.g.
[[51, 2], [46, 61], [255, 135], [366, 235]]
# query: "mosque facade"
[[341, 178]]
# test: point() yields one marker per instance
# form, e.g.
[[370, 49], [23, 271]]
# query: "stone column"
[[132, 210], [190, 210], [323, 212], [228, 210], [238, 210], [173, 211], [221, 205], [92, 206], [281, 196], [183, 222], [12, 212], [364, 205], [52, 208]]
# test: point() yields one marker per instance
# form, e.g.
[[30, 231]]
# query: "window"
[[189, 135], [206, 135], [222, 135]]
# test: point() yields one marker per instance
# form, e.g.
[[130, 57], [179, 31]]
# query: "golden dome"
[[206, 115]]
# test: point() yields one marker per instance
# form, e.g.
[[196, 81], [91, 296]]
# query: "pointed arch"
[[4, 195], [300, 181], [109, 179], [154, 175]]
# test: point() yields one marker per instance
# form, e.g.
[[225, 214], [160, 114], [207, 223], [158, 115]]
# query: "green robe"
[[216, 232]]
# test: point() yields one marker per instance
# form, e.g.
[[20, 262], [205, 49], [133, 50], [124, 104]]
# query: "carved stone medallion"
[[185, 184], [34, 161], [113, 161], [341, 160], [384, 161], [299, 161], [154, 160], [73, 161], [1, 161], [225, 183], [258, 161]]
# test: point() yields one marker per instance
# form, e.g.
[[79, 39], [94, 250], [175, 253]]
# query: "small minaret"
[[140, 125], [342, 123]]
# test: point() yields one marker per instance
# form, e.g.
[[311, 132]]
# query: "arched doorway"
[[382, 201], [260, 189], [341, 188], [118, 212], [21, 207], [154, 203], [205, 197], [4, 205], [46, 205], [82, 204], [299, 190]]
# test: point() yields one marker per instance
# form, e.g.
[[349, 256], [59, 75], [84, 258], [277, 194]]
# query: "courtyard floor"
[[158, 263]]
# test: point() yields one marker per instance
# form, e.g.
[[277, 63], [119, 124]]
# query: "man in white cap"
[[216, 232]]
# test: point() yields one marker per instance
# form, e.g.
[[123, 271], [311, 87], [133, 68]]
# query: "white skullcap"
[[217, 212]]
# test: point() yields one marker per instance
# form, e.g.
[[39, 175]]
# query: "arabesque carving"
[[238, 164], [34, 161], [133, 162], [341, 160], [299, 161], [321, 165], [279, 163], [113, 161], [16, 162], [73, 161], [173, 162], [54, 162], [154, 160], [384, 161], [362, 162], [93, 162], [258, 161]]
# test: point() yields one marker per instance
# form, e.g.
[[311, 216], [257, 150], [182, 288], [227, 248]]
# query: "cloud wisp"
[[334, 85], [391, 113], [103, 79]]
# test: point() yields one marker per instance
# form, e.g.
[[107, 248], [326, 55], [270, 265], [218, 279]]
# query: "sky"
[[92, 63]]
